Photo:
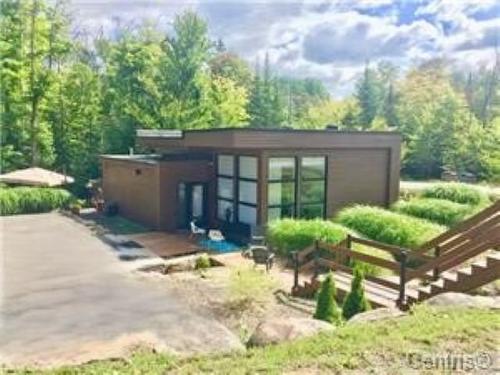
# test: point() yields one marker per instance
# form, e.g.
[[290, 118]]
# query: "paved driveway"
[[67, 298]]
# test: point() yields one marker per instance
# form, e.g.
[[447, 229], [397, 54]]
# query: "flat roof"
[[265, 138]]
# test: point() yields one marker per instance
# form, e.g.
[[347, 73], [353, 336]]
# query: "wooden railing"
[[342, 253], [469, 239]]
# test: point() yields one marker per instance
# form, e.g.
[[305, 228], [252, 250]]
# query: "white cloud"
[[329, 40]]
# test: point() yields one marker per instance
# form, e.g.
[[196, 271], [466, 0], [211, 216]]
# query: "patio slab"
[[166, 245], [67, 298]]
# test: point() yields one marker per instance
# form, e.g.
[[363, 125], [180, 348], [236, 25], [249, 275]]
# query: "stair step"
[[424, 292], [464, 273], [493, 259], [449, 276], [479, 266]]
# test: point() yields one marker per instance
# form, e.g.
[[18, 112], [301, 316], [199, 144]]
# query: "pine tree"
[[265, 107], [389, 108], [355, 301], [368, 94], [326, 306]]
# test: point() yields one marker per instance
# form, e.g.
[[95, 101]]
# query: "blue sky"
[[328, 40]]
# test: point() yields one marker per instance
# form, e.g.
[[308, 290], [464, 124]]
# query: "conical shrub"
[[355, 301], [326, 306]]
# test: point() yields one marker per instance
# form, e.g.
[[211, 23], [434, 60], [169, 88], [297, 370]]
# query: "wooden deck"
[[167, 245]]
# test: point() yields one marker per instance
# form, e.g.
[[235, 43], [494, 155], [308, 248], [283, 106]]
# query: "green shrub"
[[389, 227], [326, 306], [26, 200], [457, 192], [438, 210], [288, 235], [202, 262], [355, 301]]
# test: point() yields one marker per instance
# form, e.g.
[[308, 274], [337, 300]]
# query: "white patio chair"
[[196, 231]]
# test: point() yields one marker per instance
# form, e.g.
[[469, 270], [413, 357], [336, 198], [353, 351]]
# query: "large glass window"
[[225, 210], [248, 191], [296, 187], [237, 188], [247, 214], [225, 188], [312, 187], [281, 188], [225, 165], [248, 167], [281, 168]]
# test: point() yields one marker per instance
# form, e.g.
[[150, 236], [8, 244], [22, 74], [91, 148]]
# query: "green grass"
[[120, 225], [378, 346], [389, 227], [457, 192], [441, 211], [29, 200], [288, 235]]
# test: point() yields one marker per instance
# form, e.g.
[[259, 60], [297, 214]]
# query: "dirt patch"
[[208, 292]]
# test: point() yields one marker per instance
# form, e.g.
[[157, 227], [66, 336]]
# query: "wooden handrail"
[[390, 248], [470, 234], [465, 251], [393, 266], [334, 266], [473, 221], [302, 254]]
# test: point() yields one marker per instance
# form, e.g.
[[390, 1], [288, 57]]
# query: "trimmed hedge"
[[456, 192], [28, 200], [440, 211], [389, 227], [288, 235]]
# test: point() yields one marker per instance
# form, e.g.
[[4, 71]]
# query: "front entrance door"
[[192, 201]]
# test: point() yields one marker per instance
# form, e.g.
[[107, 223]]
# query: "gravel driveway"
[[68, 299]]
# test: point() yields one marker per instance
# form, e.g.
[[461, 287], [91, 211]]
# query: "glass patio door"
[[192, 202]]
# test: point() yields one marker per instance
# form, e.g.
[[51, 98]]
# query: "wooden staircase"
[[464, 279], [459, 260]]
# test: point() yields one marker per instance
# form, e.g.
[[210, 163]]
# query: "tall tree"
[[265, 106], [228, 103], [132, 94], [185, 80], [14, 135], [369, 96]]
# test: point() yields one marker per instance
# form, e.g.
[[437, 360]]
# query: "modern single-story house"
[[240, 178]]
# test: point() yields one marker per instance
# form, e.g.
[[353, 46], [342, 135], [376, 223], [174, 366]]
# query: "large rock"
[[377, 314], [451, 299], [276, 330]]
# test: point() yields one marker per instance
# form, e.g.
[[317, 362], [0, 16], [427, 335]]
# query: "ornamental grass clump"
[[440, 211], [202, 262], [288, 235], [27, 200], [326, 305], [389, 227], [457, 192], [355, 301]]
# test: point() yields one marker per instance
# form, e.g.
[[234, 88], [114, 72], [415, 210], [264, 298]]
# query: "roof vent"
[[332, 127]]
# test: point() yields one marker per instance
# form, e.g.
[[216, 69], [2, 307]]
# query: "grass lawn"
[[115, 224], [381, 346]]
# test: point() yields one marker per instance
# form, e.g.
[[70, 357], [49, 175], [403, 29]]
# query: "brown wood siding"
[[358, 176], [135, 187], [241, 139], [174, 172]]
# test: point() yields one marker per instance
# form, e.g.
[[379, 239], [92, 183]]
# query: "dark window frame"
[[302, 179], [235, 201], [297, 205]]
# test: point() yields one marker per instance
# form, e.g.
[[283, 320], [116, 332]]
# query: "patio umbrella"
[[36, 177]]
